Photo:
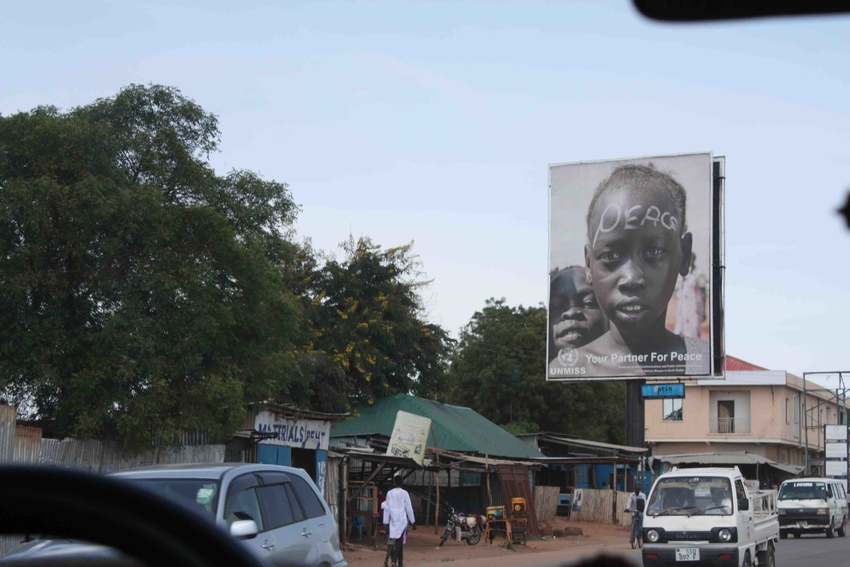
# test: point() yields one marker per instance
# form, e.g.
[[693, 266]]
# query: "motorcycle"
[[471, 527]]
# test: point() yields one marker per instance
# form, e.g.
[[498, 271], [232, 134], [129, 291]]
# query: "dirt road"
[[422, 551]]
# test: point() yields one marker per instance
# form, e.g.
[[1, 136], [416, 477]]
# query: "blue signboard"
[[662, 391]]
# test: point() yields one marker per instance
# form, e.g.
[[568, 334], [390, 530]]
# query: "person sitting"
[[721, 501]]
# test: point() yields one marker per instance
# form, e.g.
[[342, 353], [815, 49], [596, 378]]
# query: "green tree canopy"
[[140, 293], [368, 337], [499, 368], [521, 427]]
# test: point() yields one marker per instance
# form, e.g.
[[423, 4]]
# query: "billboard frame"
[[716, 280]]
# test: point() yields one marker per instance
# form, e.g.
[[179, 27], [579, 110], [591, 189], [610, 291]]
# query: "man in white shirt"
[[636, 505], [398, 513]]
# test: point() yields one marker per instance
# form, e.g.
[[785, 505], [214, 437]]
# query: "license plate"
[[687, 554]]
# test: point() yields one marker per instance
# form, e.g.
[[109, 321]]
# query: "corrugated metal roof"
[[380, 458], [297, 412], [737, 458], [733, 363], [457, 428], [572, 441]]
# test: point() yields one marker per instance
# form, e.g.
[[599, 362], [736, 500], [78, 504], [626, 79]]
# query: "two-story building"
[[754, 411]]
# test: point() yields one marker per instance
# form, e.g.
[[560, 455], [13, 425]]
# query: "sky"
[[435, 123]]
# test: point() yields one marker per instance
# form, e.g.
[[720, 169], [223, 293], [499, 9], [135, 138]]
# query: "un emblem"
[[568, 356]]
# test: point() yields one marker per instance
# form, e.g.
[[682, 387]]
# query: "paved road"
[[813, 551], [632, 557], [808, 551]]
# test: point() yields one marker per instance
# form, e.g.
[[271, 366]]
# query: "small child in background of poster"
[[575, 318]]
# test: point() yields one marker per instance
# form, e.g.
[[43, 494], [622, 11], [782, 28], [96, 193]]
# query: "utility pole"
[[840, 397]]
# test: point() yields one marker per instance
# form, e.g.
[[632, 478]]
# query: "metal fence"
[[8, 419], [730, 425], [20, 444]]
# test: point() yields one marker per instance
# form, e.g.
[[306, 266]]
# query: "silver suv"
[[277, 512]]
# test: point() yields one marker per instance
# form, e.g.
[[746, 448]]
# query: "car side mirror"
[[743, 505], [244, 529]]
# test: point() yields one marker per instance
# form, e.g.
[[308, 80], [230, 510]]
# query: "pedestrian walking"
[[398, 514]]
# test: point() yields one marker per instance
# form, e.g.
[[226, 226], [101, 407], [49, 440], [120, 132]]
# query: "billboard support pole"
[[635, 415]]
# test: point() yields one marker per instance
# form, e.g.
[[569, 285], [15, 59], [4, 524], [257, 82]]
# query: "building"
[[279, 434], [469, 462], [754, 411], [579, 463], [454, 429]]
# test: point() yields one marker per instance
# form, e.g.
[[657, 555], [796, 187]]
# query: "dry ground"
[[422, 551]]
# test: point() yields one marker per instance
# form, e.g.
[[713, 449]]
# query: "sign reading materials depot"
[[299, 433], [410, 436]]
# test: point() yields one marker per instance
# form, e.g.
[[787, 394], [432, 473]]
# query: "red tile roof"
[[733, 363]]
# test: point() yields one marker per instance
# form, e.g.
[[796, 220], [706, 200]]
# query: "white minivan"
[[812, 505]]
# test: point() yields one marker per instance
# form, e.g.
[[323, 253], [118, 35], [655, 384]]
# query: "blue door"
[[273, 454]]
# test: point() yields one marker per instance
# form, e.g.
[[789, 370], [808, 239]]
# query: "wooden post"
[[614, 495], [428, 503], [437, 477], [343, 527], [487, 473], [437, 503]]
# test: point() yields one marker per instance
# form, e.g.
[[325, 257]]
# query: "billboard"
[[410, 436], [632, 248]]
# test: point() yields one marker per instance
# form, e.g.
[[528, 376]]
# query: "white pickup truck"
[[707, 516]]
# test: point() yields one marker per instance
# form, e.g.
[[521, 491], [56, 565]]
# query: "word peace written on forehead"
[[633, 218]]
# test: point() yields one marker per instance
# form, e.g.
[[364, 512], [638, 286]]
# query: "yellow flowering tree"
[[366, 333]]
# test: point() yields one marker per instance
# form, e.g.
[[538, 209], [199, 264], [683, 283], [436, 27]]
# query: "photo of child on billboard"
[[575, 318], [639, 257]]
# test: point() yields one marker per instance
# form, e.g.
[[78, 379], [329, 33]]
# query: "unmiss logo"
[[568, 356]]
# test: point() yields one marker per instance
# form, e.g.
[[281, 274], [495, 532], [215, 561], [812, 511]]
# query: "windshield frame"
[[712, 500]]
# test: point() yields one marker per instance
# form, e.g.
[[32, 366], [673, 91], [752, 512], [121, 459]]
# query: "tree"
[[521, 427], [367, 334], [139, 291], [499, 369]]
